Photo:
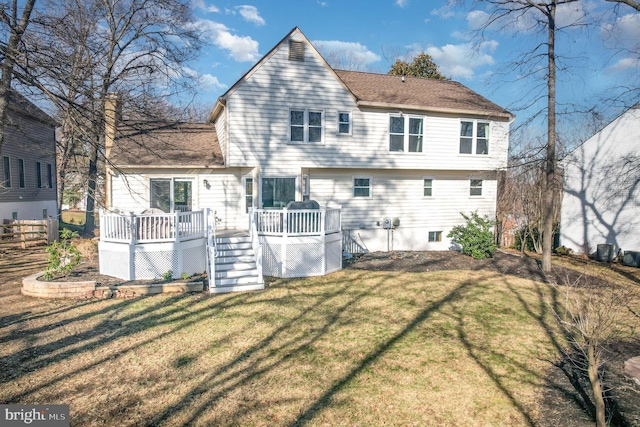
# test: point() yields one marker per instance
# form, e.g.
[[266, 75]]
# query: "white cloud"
[[241, 49], [624, 65], [200, 4], [250, 14], [444, 12], [623, 33], [402, 3], [322, 3], [352, 52], [211, 82]]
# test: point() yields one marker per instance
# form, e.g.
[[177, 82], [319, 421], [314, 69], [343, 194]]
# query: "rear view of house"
[[601, 200], [400, 156], [28, 162]]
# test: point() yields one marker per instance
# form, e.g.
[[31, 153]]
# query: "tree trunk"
[[596, 386], [550, 168], [90, 223], [10, 57]]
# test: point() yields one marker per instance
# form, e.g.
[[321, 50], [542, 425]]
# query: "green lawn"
[[351, 348]]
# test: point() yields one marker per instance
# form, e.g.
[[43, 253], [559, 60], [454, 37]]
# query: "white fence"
[[148, 246]]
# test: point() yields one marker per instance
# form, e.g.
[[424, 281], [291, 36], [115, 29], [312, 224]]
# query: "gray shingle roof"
[[155, 144], [383, 90]]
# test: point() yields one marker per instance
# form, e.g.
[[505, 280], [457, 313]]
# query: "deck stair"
[[236, 268]]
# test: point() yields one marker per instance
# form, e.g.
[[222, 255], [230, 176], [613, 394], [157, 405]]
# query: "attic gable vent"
[[296, 50]]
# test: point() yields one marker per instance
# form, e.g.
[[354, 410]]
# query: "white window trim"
[[305, 138], [350, 113], [474, 137], [305, 185], [353, 186], [434, 241], [433, 180], [244, 191], [481, 187], [173, 180], [405, 148]]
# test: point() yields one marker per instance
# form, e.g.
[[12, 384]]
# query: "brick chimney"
[[112, 113]]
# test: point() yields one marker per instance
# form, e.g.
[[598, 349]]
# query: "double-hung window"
[[362, 186], [306, 126], [344, 123], [475, 188], [427, 185], [406, 134], [474, 137]]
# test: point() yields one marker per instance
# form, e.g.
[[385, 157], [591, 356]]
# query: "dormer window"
[[296, 50]]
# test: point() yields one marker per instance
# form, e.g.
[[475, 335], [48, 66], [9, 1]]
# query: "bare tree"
[[632, 3], [596, 313], [14, 25], [542, 15], [88, 50]]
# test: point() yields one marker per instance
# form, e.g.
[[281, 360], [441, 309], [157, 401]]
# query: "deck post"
[[132, 245], [283, 248]]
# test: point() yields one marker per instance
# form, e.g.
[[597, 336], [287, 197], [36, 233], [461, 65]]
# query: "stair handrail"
[[210, 221], [255, 244]]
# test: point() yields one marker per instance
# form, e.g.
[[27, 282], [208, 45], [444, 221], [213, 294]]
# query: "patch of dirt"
[[503, 262]]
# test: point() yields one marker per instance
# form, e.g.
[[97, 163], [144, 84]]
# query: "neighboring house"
[[390, 151], [28, 162], [601, 197]]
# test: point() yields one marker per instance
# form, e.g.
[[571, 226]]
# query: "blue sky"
[[376, 32]]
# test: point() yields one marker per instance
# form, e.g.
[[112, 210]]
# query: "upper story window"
[[306, 126], [406, 134], [344, 123], [21, 175], [49, 175], [39, 174], [474, 137], [6, 172], [362, 186], [475, 188]]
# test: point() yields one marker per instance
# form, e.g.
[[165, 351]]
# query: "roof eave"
[[488, 114], [116, 166]]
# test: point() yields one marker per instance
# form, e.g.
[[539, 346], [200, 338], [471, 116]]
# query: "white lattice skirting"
[[301, 256], [152, 260]]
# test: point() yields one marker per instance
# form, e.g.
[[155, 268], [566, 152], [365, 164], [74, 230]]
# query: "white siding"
[[223, 193], [399, 194], [221, 131], [597, 206], [258, 111]]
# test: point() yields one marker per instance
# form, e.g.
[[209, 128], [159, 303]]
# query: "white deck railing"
[[147, 228], [298, 222]]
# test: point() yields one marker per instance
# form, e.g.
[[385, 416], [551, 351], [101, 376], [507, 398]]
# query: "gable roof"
[[19, 104], [295, 33], [387, 91], [161, 144], [445, 96]]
